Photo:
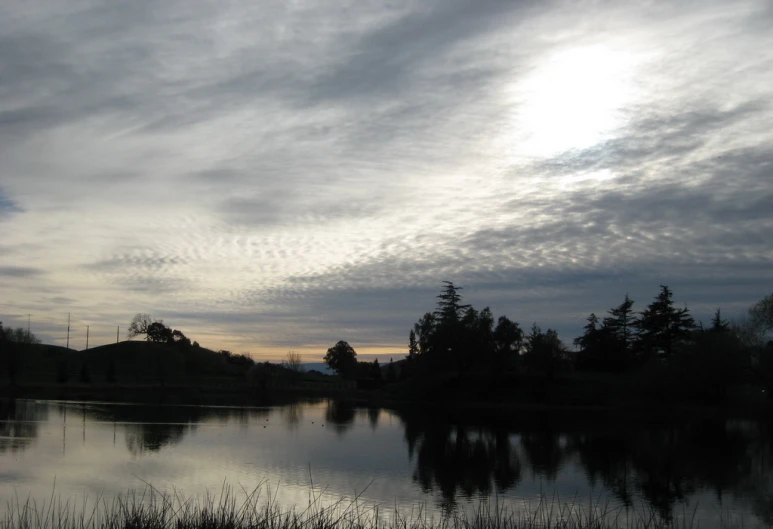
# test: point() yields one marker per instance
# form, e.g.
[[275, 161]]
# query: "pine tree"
[[718, 324], [449, 307], [413, 347], [621, 322], [588, 338], [662, 325]]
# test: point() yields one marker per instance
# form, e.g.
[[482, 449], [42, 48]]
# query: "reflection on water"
[[410, 455], [19, 424]]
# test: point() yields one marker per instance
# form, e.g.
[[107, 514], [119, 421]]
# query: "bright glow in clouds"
[[573, 99], [300, 173]]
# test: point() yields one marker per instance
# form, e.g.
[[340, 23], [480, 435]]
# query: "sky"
[[280, 175]]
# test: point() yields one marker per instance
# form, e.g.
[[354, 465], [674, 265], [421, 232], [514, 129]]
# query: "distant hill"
[[128, 362], [318, 366]]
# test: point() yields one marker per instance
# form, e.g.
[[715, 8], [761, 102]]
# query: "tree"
[[718, 324], [139, 326], [159, 333], [508, 340], [342, 359], [375, 370], [662, 326], [601, 347], [762, 314], [293, 362], [589, 337], [621, 322], [180, 340], [424, 330], [449, 307], [413, 347], [544, 351], [11, 343]]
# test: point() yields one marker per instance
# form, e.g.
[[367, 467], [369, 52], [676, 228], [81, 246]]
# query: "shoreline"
[[239, 396]]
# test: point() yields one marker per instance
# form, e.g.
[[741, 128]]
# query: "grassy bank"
[[151, 509]]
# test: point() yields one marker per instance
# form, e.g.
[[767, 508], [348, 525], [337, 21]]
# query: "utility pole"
[[87, 337], [29, 317], [117, 328], [68, 330]]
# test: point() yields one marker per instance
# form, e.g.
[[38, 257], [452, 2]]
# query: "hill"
[[128, 362]]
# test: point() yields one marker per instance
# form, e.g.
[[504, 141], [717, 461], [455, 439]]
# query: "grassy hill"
[[128, 362]]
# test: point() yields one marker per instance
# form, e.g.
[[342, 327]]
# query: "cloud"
[[284, 175], [20, 271]]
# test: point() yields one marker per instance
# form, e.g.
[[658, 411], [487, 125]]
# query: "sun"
[[572, 100]]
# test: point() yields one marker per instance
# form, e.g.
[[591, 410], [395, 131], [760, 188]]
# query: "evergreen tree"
[[718, 324], [424, 330], [621, 323], [413, 346], [376, 370], [662, 325], [449, 307]]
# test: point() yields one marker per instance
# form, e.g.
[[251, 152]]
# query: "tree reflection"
[[458, 460], [663, 464], [292, 414], [340, 415], [152, 437], [19, 424]]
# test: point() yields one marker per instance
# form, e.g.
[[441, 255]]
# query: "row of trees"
[[12, 341], [624, 337], [457, 337], [155, 331]]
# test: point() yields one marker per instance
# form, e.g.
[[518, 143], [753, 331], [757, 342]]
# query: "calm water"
[[398, 458]]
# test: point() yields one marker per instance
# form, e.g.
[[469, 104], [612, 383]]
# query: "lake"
[[406, 459]]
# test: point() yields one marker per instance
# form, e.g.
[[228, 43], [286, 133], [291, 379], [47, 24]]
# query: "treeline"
[[12, 340], [661, 349]]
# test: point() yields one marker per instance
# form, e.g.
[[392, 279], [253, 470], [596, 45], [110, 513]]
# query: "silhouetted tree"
[[601, 347], [139, 326], [449, 307], [159, 333], [180, 340], [762, 314], [12, 341], [424, 331], [544, 351], [391, 375], [413, 346], [718, 324], [376, 370], [342, 359], [621, 323], [293, 362], [508, 340], [662, 326]]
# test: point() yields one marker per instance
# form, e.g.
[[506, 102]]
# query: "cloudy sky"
[[276, 175]]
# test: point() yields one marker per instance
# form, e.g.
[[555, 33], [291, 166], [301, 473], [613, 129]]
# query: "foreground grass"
[[152, 509]]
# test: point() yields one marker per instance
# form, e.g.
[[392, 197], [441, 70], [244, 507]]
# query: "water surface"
[[395, 458]]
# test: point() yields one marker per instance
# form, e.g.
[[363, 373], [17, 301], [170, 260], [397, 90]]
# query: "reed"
[[259, 509]]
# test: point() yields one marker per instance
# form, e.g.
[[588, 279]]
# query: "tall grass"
[[229, 509]]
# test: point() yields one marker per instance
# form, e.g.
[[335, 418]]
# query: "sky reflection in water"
[[397, 457]]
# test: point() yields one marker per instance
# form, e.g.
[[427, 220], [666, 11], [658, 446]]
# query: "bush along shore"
[[259, 509]]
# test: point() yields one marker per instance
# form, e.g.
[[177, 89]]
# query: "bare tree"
[[293, 362], [140, 325]]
